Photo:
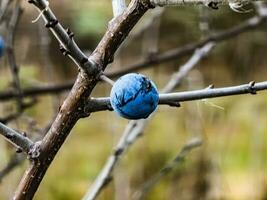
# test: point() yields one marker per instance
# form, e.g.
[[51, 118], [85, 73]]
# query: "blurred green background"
[[231, 163]]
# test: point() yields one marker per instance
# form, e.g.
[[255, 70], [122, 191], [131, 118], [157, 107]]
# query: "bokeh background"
[[230, 164]]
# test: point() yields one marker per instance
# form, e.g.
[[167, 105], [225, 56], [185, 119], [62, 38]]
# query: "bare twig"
[[49, 69], [248, 25], [4, 8], [65, 36], [37, 90], [17, 11], [17, 139], [178, 160], [101, 104], [154, 18], [187, 67], [250, 88], [210, 3], [104, 176]]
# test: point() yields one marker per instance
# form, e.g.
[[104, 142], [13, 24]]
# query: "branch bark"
[[208, 3], [72, 109], [17, 139], [102, 104]]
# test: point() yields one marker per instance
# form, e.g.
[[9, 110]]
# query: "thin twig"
[[16, 13], [209, 3], [4, 8], [45, 89], [17, 139], [187, 67], [49, 69], [248, 25], [101, 104], [178, 160], [65, 36]]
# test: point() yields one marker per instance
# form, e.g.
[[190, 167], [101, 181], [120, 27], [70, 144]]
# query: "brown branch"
[[72, 108]]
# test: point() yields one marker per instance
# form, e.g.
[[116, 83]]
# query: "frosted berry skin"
[[134, 96], [2, 46]]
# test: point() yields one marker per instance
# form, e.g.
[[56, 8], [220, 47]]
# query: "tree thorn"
[[251, 88], [210, 86], [84, 60], [213, 5], [24, 134], [70, 33], [64, 51], [52, 23], [31, 1]]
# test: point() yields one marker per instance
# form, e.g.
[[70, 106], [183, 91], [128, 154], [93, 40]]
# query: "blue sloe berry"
[[2, 46], [134, 96]]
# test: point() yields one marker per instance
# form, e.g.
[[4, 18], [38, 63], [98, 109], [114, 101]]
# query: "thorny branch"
[[234, 4], [17, 11], [173, 99]]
